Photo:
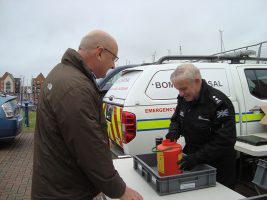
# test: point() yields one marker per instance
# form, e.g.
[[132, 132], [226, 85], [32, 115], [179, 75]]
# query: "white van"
[[139, 105]]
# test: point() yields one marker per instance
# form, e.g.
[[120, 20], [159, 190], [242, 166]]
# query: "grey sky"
[[35, 34]]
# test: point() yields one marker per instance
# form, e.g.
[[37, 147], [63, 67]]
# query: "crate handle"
[[189, 180], [146, 174], [154, 149]]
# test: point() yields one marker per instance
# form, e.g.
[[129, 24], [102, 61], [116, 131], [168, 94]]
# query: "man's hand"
[[131, 194], [187, 162], [173, 136]]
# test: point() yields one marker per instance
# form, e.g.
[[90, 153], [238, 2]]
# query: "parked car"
[[10, 117]]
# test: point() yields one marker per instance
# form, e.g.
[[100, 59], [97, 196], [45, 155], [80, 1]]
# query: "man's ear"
[[98, 53], [198, 80]]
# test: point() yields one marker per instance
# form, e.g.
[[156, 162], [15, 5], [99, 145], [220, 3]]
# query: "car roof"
[[4, 98]]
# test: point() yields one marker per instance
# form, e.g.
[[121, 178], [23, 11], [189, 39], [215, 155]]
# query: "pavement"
[[16, 160]]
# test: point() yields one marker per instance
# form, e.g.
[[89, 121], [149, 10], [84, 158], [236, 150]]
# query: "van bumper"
[[117, 150]]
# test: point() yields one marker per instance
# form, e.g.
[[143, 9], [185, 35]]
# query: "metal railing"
[[259, 48], [256, 53]]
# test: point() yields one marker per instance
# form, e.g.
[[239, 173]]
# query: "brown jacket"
[[72, 159]]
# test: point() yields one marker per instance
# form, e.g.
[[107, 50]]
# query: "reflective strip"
[[153, 124], [109, 128], [237, 118], [104, 105], [119, 124], [164, 123], [109, 132], [252, 117], [116, 127], [249, 117]]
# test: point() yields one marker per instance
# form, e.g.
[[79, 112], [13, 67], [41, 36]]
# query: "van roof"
[[234, 58], [171, 65], [168, 66]]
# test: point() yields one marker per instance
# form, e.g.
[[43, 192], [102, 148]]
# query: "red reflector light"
[[128, 126]]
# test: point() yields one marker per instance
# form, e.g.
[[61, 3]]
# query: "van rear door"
[[118, 121]]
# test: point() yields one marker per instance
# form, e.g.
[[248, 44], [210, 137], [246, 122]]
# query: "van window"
[[257, 82], [160, 87], [111, 81], [122, 86]]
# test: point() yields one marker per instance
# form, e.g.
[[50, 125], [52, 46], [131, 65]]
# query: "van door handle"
[[111, 98], [255, 109]]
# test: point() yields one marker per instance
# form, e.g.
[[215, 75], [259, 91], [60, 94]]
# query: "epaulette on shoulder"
[[216, 99]]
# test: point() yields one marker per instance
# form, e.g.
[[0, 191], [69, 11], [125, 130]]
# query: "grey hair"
[[185, 71], [94, 39]]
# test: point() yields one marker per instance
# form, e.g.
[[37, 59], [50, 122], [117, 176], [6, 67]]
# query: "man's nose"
[[181, 93]]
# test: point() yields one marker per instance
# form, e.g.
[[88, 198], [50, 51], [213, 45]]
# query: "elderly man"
[[206, 119], [72, 159]]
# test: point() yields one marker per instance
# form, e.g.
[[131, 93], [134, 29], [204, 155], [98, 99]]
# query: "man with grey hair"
[[72, 159], [206, 118]]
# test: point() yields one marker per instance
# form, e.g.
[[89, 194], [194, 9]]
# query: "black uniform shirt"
[[207, 124]]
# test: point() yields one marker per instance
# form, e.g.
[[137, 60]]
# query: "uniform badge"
[[217, 100], [222, 113], [202, 118], [182, 113]]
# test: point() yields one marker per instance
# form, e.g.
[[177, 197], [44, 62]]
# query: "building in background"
[[36, 87], [18, 87], [7, 84]]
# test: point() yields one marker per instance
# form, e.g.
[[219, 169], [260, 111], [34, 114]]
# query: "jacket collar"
[[204, 87], [72, 57]]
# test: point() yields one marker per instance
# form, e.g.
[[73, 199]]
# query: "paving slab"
[[16, 158]]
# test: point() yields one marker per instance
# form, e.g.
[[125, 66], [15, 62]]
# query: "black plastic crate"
[[260, 177], [201, 176]]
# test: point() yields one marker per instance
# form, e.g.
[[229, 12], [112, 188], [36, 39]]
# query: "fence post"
[[26, 114], [259, 53]]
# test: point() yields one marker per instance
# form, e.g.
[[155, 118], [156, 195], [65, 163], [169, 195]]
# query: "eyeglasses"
[[116, 58]]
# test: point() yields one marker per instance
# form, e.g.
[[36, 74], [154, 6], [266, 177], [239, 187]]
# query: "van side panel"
[[152, 121]]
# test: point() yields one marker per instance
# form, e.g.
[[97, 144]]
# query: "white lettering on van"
[[119, 88], [121, 80], [215, 83], [163, 84], [153, 110]]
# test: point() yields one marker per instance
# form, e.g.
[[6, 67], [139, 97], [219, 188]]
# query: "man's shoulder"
[[217, 96]]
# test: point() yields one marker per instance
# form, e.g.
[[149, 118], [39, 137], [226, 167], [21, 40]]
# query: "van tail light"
[[128, 126]]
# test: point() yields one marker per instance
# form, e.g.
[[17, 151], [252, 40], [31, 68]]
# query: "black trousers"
[[226, 170]]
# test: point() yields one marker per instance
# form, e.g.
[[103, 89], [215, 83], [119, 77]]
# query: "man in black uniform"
[[206, 119]]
